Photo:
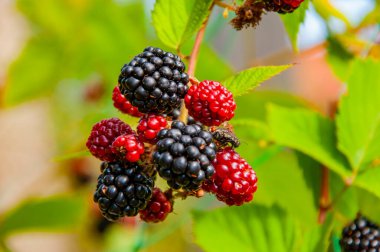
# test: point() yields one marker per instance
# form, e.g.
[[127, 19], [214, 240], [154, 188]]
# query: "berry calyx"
[[158, 207], [210, 103], [122, 190], [234, 181], [184, 155], [154, 81], [128, 146], [360, 235], [123, 104], [149, 126], [103, 134]]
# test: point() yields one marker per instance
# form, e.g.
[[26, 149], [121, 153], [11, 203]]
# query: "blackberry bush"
[[122, 190], [184, 155], [154, 81]]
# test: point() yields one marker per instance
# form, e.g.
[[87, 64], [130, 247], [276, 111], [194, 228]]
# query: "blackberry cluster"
[[153, 86], [361, 235], [122, 190], [154, 81], [184, 155], [282, 6]]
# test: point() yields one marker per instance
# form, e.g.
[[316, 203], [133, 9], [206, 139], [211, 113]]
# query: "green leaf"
[[246, 80], [176, 21], [245, 228], [258, 129], [317, 239], [339, 58], [293, 22], [358, 121], [369, 180], [57, 213], [309, 133], [327, 10]]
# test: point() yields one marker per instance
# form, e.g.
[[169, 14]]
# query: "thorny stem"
[[224, 5], [193, 61]]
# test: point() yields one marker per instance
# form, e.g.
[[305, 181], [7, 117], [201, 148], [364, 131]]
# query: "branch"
[[193, 61]]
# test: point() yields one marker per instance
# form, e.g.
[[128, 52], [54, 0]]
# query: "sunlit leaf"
[[176, 21], [309, 133], [246, 80]]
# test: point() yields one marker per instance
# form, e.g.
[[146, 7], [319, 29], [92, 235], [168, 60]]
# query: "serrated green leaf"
[[59, 213], [368, 204], [176, 21], [309, 133], [246, 80], [245, 228], [293, 22], [317, 238], [358, 120]]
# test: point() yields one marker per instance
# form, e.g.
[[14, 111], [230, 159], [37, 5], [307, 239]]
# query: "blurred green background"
[[60, 61]]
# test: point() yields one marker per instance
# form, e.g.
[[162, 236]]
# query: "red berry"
[[123, 104], [128, 146], [102, 136], [210, 103], [234, 181], [282, 6], [158, 207], [149, 126]]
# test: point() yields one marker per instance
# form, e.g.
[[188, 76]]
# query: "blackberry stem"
[[224, 5], [193, 61]]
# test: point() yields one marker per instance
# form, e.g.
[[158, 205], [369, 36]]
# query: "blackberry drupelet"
[[122, 190], [360, 235], [154, 81], [184, 155]]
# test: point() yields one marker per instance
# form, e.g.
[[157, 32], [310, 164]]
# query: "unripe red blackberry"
[[184, 155], [122, 190], [123, 104], [282, 6], [158, 207], [103, 134], [210, 103], [360, 235], [129, 147], [154, 81], [234, 181], [149, 126]]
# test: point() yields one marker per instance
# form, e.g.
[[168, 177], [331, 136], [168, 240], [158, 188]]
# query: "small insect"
[[225, 137]]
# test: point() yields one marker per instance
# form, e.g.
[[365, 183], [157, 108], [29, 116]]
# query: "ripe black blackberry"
[[282, 6], [154, 81], [122, 190], [184, 155], [360, 235]]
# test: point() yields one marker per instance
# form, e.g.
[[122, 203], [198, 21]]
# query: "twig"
[[193, 61], [324, 198], [224, 5]]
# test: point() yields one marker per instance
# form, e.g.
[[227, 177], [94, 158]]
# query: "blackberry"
[[210, 103], [190, 120], [129, 147], [154, 81], [282, 6], [149, 126], [122, 190], [234, 181], [158, 208], [103, 134], [123, 105], [360, 235], [184, 155]]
